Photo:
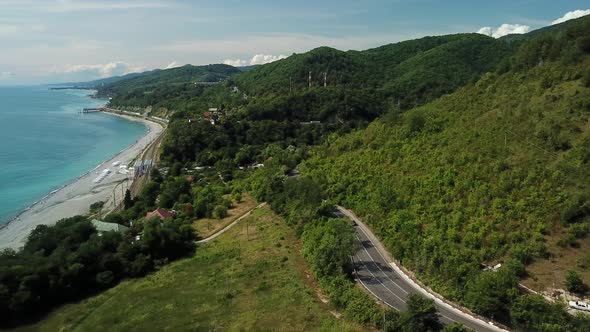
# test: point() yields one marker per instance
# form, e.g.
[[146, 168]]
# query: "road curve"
[[212, 237], [379, 274]]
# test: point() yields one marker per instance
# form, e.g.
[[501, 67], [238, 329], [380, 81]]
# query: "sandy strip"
[[75, 198]]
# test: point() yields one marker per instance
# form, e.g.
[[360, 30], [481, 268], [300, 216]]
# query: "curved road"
[[377, 272]]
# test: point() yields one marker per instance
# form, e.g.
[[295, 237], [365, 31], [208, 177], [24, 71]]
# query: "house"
[[102, 227], [163, 214]]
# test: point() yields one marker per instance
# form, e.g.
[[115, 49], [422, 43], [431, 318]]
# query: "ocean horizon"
[[47, 143]]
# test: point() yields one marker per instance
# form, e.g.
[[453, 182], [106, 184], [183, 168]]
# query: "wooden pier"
[[93, 110]]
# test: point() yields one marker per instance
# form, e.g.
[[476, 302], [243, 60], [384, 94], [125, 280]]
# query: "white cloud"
[[172, 64], [236, 62], [488, 31], [504, 30], [114, 68], [258, 59], [571, 15]]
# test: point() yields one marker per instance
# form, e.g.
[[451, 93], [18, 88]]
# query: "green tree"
[[127, 200], [328, 244], [420, 316], [491, 293], [533, 313], [219, 212], [237, 196], [574, 282], [105, 279]]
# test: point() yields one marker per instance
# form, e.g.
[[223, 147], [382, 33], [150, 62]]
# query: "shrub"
[[237, 197], [105, 279], [95, 207], [574, 282], [219, 212]]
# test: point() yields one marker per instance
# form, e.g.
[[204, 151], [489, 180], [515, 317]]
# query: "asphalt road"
[[388, 283]]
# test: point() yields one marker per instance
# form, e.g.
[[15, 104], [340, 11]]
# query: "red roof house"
[[160, 213]]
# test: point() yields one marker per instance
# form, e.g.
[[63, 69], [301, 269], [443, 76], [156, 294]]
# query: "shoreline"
[[73, 181], [75, 197]]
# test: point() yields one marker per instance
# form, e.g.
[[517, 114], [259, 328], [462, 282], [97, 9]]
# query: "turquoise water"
[[45, 143]]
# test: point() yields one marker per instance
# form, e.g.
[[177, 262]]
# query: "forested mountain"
[[410, 72], [495, 172], [269, 103], [106, 81], [165, 83]]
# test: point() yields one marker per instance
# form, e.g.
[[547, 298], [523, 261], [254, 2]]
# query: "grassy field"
[[206, 227], [244, 280]]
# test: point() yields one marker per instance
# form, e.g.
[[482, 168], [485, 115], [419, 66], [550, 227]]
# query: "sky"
[[53, 41]]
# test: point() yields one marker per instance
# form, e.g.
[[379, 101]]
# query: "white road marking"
[[367, 287], [382, 284], [440, 303], [400, 287], [379, 281]]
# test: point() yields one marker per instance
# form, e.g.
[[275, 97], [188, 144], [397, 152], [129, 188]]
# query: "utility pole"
[[290, 84], [309, 80], [325, 79]]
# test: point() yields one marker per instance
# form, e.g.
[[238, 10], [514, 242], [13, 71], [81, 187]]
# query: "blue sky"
[[69, 40]]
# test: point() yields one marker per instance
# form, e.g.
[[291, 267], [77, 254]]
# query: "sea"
[[45, 143]]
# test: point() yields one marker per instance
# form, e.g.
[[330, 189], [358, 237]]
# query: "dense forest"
[[483, 175]]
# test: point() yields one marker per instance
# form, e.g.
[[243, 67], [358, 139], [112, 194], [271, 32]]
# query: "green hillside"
[[496, 172], [251, 280], [106, 81], [149, 88], [268, 103], [411, 72]]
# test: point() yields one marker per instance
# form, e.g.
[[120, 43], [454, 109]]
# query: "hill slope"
[[494, 172], [411, 71], [136, 90], [221, 287]]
